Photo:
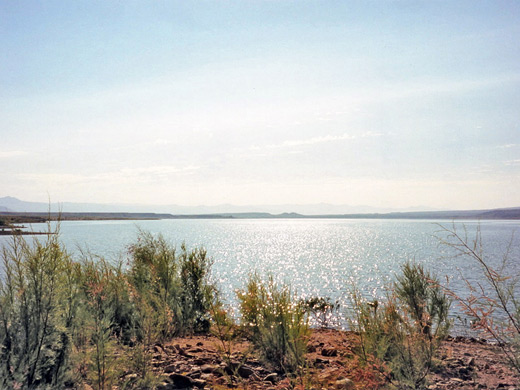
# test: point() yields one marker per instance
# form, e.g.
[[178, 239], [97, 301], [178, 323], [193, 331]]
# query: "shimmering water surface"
[[325, 257]]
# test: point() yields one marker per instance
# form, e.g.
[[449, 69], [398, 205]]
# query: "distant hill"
[[508, 213], [17, 205], [23, 217], [105, 211], [505, 213], [9, 203]]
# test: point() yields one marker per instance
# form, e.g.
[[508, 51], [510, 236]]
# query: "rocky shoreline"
[[198, 362]]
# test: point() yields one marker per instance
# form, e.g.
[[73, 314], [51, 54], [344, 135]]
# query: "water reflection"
[[318, 257]]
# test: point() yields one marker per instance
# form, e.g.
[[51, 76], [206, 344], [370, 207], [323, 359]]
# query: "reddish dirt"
[[199, 362]]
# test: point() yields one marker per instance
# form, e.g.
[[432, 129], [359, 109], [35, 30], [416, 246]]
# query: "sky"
[[391, 104]]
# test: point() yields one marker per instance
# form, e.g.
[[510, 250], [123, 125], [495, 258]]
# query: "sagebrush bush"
[[38, 301], [402, 334], [197, 291], [276, 323], [99, 286], [70, 321], [153, 276], [177, 287], [424, 299]]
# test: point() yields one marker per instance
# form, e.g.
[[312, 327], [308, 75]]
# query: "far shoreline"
[[8, 218]]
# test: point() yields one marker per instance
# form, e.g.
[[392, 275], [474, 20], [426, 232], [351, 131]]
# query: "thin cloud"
[[162, 170], [12, 154], [323, 139], [125, 175]]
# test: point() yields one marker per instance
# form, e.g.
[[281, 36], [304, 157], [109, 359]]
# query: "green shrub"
[[322, 309], [197, 291], [226, 332], [424, 300], [378, 326], [177, 287], [276, 323], [404, 332], [38, 301], [99, 286], [66, 321]]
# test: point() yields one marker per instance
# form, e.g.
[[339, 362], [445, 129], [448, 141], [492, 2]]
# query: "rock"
[[170, 368], [195, 374], [181, 381], [200, 361], [329, 352], [344, 384], [253, 361], [178, 349], [158, 348], [458, 380], [311, 348], [208, 368], [245, 371], [221, 381], [319, 360], [183, 368], [166, 386], [199, 383], [273, 378], [465, 373]]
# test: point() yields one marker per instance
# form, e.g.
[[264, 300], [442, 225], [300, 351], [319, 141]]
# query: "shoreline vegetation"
[[17, 231], [156, 321]]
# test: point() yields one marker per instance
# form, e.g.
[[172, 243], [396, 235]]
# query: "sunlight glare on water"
[[317, 257]]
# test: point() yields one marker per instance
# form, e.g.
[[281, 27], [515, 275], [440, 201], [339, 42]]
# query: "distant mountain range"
[[9, 203], [14, 206]]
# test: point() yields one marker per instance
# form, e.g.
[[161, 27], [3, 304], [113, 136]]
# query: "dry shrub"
[[401, 335], [276, 323]]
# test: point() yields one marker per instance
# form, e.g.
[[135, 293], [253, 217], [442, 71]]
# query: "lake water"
[[324, 257]]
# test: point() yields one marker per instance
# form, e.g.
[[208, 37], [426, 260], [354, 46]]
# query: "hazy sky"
[[381, 103]]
